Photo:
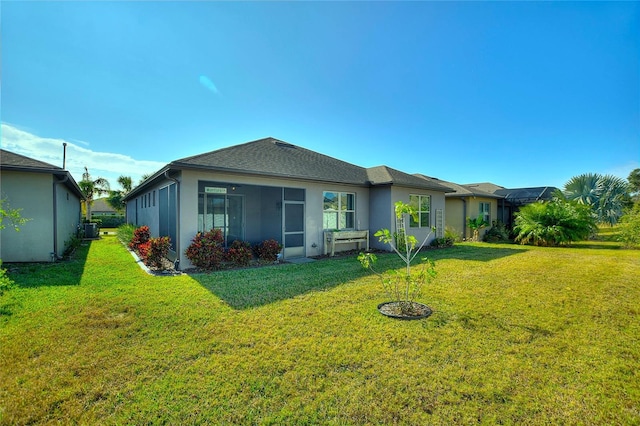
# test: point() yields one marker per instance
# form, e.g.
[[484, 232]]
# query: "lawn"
[[519, 335]]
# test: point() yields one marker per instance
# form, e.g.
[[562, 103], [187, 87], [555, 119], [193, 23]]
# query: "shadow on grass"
[[253, 287], [66, 272], [596, 245], [481, 253]]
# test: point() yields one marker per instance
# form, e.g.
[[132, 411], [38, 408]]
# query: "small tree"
[[115, 198], [630, 227], [8, 214], [476, 225], [90, 188], [634, 184], [402, 287]]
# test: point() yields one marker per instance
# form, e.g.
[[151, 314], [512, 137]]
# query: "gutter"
[[176, 264]]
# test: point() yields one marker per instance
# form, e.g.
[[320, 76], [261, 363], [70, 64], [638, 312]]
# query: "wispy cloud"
[[100, 164], [623, 170], [207, 83]]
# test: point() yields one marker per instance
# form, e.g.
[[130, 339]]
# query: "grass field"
[[519, 335]]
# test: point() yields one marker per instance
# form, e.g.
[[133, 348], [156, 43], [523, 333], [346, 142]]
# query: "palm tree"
[[126, 183], [606, 194], [634, 183], [90, 188], [115, 197], [585, 189], [475, 225]]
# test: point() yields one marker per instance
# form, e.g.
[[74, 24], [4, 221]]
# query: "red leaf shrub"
[[268, 250], [206, 250], [140, 236], [240, 253], [143, 250], [157, 251]]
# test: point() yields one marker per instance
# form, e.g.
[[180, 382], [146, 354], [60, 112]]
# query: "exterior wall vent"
[[283, 144]]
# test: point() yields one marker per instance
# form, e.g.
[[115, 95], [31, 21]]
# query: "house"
[[49, 197], [468, 201], [271, 189], [100, 207], [512, 199]]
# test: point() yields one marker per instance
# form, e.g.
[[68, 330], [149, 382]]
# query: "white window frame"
[[340, 213], [485, 213], [420, 224]]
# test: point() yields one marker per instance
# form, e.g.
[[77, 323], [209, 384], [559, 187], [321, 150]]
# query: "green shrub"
[[6, 283], [497, 234], [109, 221], [452, 234], [554, 223], [71, 245], [240, 253], [125, 233], [630, 227], [206, 250], [268, 250], [442, 242]]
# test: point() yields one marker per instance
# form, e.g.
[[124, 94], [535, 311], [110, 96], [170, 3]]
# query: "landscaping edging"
[[165, 273], [387, 309]]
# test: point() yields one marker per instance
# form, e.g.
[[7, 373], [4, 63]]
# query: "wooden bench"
[[331, 238]]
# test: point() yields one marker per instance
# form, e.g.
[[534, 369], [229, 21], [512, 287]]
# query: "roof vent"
[[283, 144]]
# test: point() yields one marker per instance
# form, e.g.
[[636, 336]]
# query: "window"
[[339, 210], [485, 212], [422, 204]]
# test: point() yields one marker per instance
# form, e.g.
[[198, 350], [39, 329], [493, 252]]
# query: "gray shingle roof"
[[457, 190], [274, 157], [383, 175], [11, 160], [19, 163]]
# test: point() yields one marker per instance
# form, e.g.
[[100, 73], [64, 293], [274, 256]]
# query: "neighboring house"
[[270, 189], [468, 202], [100, 207], [511, 199], [46, 195]]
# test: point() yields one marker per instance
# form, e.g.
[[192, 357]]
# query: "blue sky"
[[518, 94]]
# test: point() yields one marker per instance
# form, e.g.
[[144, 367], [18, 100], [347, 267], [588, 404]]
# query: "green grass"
[[520, 335]]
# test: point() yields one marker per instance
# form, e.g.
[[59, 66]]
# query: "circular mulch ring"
[[394, 310]]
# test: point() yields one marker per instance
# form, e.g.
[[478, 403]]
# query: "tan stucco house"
[[468, 201], [270, 189], [49, 197], [511, 199]]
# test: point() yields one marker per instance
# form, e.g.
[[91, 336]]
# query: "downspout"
[[54, 253], [176, 264]]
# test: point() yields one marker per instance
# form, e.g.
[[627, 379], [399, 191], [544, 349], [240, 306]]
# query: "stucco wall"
[[383, 209], [69, 213], [455, 215], [33, 193], [189, 208]]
